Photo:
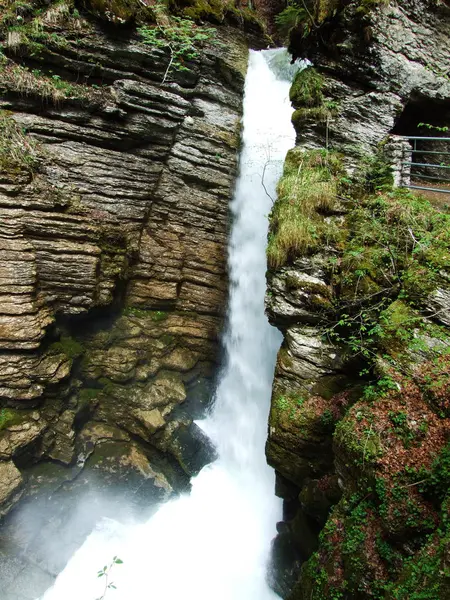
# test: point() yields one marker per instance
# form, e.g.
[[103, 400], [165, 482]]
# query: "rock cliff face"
[[118, 156], [359, 428], [386, 67], [117, 168]]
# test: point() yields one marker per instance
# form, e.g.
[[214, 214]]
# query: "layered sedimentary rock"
[[117, 164], [359, 428], [115, 181], [386, 67]]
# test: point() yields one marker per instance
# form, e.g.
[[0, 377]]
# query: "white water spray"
[[214, 543]]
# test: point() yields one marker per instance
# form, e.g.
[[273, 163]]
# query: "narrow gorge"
[[141, 225]]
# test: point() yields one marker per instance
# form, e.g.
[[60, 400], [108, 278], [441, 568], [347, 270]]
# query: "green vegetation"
[[119, 12], [306, 89], [105, 574], [356, 558], [8, 417], [30, 27], [307, 96], [361, 450], [33, 82], [306, 192], [388, 537], [367, 6], [303, 17], [68, 346], [32, 30], [86, 395], [143, 313], [426, 575], [181, 37], [311, 182], [125, 12], [18, 152]]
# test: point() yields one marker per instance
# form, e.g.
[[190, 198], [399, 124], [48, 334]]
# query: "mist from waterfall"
[[214, 543]]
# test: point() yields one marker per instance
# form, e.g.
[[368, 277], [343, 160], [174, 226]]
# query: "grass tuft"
[[20, 80], [306, 192], [18, 152]]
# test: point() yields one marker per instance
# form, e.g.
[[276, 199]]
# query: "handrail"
[[419, 137], [414, 164], [419, 187], [407, 164]]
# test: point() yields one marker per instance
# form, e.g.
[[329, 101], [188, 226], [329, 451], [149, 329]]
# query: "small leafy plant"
[[181, 37], [106, 573], [440, 128]]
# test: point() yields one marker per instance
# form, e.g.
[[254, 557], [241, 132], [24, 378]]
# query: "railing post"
[[399, 151]]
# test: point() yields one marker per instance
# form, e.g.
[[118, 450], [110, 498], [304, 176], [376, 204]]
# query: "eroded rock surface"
[[379, 62], [113, 244], [359, 424]]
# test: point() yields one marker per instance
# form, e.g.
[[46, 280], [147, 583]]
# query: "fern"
[[289, 18]]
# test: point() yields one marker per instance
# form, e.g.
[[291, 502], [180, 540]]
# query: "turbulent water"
[[214, 543]]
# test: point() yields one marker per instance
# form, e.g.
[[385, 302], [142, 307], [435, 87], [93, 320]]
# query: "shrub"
[[182, 38]]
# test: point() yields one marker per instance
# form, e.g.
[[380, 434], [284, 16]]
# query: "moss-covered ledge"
[[375, 256]]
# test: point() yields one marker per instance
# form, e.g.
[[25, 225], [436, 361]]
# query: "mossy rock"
[[143, 313], [10, 416], [426, 575], [306, 90], [20, 155], [398, 322], [305, 116], [67, 345], [204, 9], [433, 377], [404, 512], [348, 564], [118, 12], [318, 496], [299, 444], [301, 414], [357, 444], [218, 11]]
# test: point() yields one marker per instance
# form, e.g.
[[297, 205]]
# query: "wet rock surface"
[[349, 432], [113, 280]]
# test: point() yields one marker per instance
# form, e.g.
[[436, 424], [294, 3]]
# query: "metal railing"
[[410, 164]]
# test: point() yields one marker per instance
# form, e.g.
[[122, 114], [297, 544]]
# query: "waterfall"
[[214, 543]]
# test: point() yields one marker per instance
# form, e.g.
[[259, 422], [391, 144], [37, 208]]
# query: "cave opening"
[[424, 117], [427, 122]]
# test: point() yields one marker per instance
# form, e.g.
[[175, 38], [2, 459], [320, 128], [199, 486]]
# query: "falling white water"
[[215, 542]]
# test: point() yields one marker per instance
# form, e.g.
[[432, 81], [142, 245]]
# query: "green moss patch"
[[306, 192], [306, 89], [68, 346], [142, 313], [9, 416]]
